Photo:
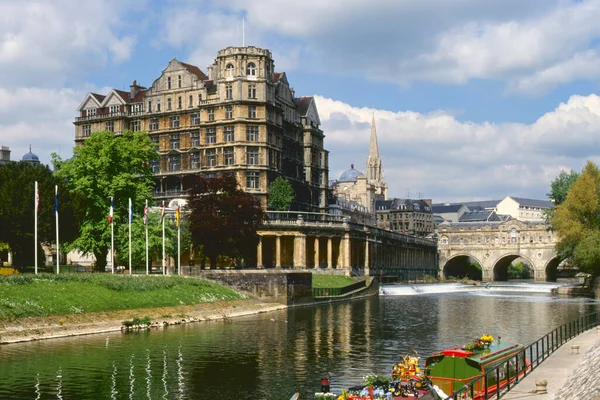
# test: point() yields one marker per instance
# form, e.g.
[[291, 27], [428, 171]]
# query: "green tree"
[[281, 195], [561, 185], [17, 213], [138, 240], [577, 222], [224, 219], [107, 166]]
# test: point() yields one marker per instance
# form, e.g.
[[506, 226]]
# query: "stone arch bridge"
[[494, 245]]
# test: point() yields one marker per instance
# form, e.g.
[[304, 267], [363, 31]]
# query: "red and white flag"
[[111, 211], [146, 213]]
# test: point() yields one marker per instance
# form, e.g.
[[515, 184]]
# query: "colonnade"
[[345, 250]]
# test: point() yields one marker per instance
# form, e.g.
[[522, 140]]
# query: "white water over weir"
[[430, 288]]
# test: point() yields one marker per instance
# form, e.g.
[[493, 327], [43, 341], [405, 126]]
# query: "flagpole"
[[36, 202], [162, 217], [130, 216], [178, 250], [112, 238], [57, 242], [146, 223]]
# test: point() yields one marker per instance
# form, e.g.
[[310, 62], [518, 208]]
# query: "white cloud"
[[441, 157], [42, 118], [531, 45], [44, 43]]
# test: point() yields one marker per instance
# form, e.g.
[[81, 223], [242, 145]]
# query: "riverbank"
[[56, 326]]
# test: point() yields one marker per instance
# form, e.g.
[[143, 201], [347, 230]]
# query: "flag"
[[162, 212], [110, 213], [146, 213], [177, 216], [37, 197], [130, 210]]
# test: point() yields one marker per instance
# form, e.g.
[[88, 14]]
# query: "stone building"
[[364, 189], [4, 155], [240, 117], [408, 216]]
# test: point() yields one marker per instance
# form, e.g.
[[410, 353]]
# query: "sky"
[[472, 99]]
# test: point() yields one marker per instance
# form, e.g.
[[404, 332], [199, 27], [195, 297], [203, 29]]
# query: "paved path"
[[570, 376]]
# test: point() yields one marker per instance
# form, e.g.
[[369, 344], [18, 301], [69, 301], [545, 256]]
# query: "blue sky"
[[473, 99]]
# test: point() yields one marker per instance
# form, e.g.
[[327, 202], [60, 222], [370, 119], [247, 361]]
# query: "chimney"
[[134, 89]]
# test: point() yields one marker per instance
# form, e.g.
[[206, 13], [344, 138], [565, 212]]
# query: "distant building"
[[352, 210], [519, 208], [31, 158], [449, 212], [479, 216], [4, 155], [408, 216], [367, 188], [524, 209]]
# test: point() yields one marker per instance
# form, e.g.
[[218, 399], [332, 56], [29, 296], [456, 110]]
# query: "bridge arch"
[[551, 269], [500, 266], [459, 266]]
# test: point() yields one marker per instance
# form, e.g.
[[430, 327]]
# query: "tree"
[[561, 185], [17, 188], [138, 240], [281, 194], [224, 219], [577, 222], [107, 166]]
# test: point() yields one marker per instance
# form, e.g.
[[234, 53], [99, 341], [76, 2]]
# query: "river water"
[[273, 355]]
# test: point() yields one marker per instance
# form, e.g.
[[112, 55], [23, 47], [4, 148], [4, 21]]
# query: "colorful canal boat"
[[453, 368], [444, 373]]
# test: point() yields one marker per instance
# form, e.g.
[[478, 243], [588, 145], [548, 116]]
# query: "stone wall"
[[291, 288]]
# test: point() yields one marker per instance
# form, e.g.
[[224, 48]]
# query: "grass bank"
[[331, 281], [43, 295]]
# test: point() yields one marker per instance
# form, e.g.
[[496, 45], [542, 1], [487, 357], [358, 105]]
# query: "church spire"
[[373, 160], [373, 146]]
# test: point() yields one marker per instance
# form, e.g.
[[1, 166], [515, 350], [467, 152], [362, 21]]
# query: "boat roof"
[[485, 355]]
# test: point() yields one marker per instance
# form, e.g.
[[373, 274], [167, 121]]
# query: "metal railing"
[[340, 291], [511, 371]]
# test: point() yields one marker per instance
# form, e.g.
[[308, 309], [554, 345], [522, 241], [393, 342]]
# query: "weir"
[[433, 288]]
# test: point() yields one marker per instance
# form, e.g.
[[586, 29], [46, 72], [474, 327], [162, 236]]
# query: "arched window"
[[251, 69], [229, 70]]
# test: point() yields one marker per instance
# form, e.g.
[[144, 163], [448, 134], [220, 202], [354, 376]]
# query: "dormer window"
[[251, 69], [90, 112], [179, 81], [229, 70], [169, 82]]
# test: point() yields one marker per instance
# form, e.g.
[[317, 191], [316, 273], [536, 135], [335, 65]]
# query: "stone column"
[[300, 251], [259, 262], [367, 260], [278, 251], [346, 259], [317, 252], [329, 253]]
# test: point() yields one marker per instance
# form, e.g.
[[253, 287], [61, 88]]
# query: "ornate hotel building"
[[240, 117]]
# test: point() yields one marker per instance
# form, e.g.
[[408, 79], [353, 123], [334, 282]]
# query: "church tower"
[[374, 171]]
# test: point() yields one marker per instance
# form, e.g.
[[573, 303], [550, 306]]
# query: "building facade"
[[408, 216], [241, 118]]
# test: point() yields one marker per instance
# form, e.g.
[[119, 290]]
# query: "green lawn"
[[331, 281], [48, 294]]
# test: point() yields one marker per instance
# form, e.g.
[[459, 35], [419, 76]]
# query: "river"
[[273, 355]]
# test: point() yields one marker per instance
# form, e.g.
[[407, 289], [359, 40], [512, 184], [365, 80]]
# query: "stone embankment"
[[39, 328]]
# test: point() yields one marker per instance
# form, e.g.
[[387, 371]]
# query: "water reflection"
[[272, 356]]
